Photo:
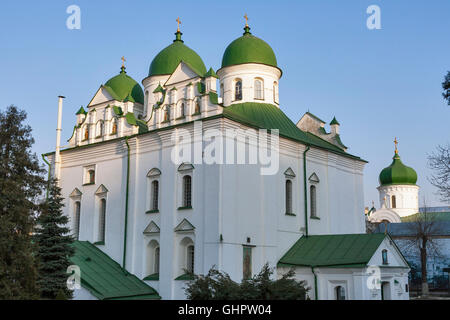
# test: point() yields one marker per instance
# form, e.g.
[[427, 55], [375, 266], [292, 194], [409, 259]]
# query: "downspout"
[[126, 205], [316, 296], [305, 190], [49, 172]]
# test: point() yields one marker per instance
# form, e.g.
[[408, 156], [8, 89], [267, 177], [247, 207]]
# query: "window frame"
[[238, 95], [258, 94], [288, 197]]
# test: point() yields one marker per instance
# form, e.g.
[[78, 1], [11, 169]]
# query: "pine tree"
[[54, 246], [21, 185]]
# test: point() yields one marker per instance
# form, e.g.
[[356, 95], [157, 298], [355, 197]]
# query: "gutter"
[[316, 297], [126, 205], [49, 170], [305, 190]]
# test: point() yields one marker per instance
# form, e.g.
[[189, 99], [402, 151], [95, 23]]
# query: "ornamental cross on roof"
[[178, 24], [246, 20], [396, 143], [123, 61]]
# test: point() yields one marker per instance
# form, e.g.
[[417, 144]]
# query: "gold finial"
[[396, 143], [178, 24], [123, 61], [246, 20]]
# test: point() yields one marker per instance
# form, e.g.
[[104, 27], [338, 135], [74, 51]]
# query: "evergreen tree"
[[217, 285], [53, 246], [446, 87], [21, 184]]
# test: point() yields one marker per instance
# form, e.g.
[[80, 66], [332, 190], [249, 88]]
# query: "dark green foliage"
[[446, 87], [53, 241], [218, 285], [21, 184]]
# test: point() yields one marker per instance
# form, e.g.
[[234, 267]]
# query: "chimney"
[[57, 171]]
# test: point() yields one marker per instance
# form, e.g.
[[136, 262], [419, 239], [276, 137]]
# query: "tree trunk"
[[423, 260]]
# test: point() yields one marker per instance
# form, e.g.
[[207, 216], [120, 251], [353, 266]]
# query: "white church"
[[145, 223]]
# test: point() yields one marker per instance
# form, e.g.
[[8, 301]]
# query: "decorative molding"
[[153, 173], [152, 228], [101, 190], [314, 178], [185, 167], [184, 226], [76, 193], [289, 173]]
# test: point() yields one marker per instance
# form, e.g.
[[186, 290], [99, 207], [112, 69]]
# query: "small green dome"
[[397, 173], [248, 49], [170, 57], [124, 88]]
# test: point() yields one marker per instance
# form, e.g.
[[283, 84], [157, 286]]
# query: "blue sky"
[[378, 83]]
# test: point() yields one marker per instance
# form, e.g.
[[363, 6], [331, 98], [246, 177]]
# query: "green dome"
[[397, 173], [248, 49], [170, 57], [124, 88]]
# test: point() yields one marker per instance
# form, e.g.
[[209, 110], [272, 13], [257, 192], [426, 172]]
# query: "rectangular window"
[[155, 195], [247, 263]]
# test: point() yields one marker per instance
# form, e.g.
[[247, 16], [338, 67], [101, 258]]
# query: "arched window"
[[187, 191], [76, 214], [275, 92], [197, 106], [155, 195], [99, 128], [86, 132], [340, 293], [221, 90], [182, 110], [313, 200], [156, 261], [102, 221], [190, 259], [114, 126], [152, 258], [91, 176], [288, 196], [238, 90], [166, 114], [259, 89], [394, 202], [384, 256]]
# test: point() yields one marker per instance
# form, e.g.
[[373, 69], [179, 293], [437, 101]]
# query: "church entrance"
[[385, 290]]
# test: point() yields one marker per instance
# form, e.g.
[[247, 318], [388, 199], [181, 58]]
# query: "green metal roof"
[[170, 57], [211, 73], [334, 121], [248, 49], [81, 111], [105, 278], [433, 216], [340, 250], [124, 88], [397, 173], [268, 116]]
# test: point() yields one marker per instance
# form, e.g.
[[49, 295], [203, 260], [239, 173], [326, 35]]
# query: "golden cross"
[[178, 24], [123, 61], [246, 20], [396, 143]]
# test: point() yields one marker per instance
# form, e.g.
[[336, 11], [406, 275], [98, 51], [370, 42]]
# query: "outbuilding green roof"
[[397, 173], [269, 116], [170, 57], [337, 250], [248, 49], [124, 88], [105, 278]]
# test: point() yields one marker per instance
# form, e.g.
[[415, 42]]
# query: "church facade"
[[160, 218]]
